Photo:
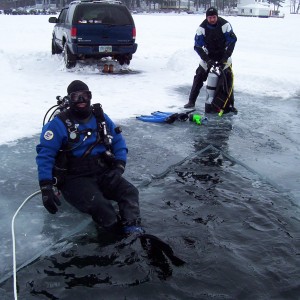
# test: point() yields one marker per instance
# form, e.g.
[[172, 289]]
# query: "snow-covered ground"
[[266, 62]]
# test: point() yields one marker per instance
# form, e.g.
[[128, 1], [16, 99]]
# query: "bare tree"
[[295, 6]]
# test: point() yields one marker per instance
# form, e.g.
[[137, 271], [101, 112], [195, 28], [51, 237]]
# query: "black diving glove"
[[50, 200], [113, 177], [210, 64]]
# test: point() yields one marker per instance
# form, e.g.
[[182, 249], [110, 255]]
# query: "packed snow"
[[265, 62]]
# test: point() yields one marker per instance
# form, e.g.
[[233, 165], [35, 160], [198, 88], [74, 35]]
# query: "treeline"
[[7, 4], [220, 4], [154, 4], [276, 4], [131, 4]]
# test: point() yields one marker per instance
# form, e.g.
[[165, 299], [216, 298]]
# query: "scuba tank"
[[211, 85]]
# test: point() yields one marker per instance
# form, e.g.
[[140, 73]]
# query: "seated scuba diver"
[[83, 153]]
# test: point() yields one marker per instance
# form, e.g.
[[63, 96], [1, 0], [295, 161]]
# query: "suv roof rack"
[[74, 2], [98, 1], [109, 1]]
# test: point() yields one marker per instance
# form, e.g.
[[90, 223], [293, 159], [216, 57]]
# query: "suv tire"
[[69, 58], [124, 59], [54, 48]]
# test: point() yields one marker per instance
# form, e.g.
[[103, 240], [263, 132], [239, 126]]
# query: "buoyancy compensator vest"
[[64, 156]]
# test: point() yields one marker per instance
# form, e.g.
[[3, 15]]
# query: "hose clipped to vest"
[[220, 114]]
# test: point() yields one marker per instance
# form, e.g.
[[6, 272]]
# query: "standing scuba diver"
[[83, 153], [214, 43]]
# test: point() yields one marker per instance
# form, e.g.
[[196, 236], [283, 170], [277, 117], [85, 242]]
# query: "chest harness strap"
[[103, 135]]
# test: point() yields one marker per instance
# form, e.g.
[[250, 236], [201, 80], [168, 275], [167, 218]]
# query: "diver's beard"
[[81, 113]]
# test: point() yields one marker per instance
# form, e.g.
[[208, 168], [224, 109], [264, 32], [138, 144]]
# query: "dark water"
[[234, 225]]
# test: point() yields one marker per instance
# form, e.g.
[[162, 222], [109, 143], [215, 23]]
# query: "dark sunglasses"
[[81, 96]]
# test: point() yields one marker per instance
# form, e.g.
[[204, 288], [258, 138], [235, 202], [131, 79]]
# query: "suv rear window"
[[101, 14]]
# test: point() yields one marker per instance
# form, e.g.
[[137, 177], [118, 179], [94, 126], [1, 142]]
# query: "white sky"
[[266, 61]]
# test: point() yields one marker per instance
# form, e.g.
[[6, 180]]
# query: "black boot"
[[208, 108], [234, 110], [190, 104]]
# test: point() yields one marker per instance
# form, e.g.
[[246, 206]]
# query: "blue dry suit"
[[89, 183], [212, 42], [55, 136]]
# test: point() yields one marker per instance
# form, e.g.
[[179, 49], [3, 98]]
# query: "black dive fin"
[[151, 241]]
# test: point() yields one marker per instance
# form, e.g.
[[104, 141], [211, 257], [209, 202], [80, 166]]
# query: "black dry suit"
[[214, 43]]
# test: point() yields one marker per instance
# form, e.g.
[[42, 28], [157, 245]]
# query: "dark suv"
[[94, 29]]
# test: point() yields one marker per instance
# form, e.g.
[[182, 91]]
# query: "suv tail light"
[[73, 32], [133, 33]]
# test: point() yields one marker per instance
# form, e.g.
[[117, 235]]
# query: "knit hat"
[[211, 12], [77, 85]]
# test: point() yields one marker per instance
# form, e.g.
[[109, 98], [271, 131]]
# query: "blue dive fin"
[[161, 113], [156, 117], [153, 119], [165, 117]]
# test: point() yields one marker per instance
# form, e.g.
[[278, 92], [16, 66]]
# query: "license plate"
[[105, 48]]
